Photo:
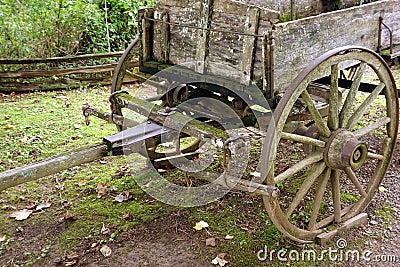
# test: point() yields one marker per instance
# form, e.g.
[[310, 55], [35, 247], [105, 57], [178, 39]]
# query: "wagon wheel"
[[154, 152], [347, 157], [120, 73]]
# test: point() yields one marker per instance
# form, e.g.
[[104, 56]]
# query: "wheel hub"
[[344, 150]]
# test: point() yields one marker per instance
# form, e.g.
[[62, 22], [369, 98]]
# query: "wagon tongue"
[[133, 139]]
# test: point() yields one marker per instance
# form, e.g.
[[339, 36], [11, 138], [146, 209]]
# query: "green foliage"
[[44, 28]]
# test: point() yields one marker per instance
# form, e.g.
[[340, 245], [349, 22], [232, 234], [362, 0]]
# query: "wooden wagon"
[[308, 75]]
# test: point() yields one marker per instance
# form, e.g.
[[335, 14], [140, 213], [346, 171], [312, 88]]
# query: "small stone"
[[210, 242], [373, 222]]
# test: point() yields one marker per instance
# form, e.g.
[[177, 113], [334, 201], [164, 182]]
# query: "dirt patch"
[[168, 241]]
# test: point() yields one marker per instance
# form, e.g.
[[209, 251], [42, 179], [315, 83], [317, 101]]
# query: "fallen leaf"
[[7, 207], [70, 263], [43, 205], [210, 242], [228, 237], [2, 238], [102, 189], [127, 216], [30, 206], [125, 196], [21, 214], [105, 250], [104, 230], [373, 222], [72, 256], [67, 204], [8, 127], [63, 97], [381, 189], [77, 125], [81, 183], [67, 216], [33, 138], [220, 260], [200, 225], [60, 187]]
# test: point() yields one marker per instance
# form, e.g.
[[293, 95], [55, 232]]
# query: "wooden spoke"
[[354, 119], [336, 195], [350, 173], [346, 109], [371, 127], [333, 117], [311, 159], [375, 156], [318, 198], [319, 122], [315, 171], [303, 139]]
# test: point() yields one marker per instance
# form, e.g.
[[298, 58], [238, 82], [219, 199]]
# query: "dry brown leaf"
[[72, 256], [81, 183], [30, 206], [127, 216], [67, 216], [70, 263], [67, 204], [105, 250], [2, 238], [102, 189], [20, 215]]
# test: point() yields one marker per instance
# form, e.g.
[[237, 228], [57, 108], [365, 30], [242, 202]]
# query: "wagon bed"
[[247, 40]]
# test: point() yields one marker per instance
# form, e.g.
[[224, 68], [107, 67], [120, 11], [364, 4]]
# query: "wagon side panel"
[[181, 44], [297, 43]]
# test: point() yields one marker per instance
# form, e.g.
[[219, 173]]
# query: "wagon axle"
[[344, 150]]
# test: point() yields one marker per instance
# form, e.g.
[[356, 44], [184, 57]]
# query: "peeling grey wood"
[[203, 36], [250, 27], [299, 42], [52, 165]]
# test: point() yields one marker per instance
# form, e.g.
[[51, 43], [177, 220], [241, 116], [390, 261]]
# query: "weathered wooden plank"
[[359, 219], [56, 72], [203, 36], [298, 42], [146, 33], [52, 165], [251, 27], [161, 36], [59, 59]]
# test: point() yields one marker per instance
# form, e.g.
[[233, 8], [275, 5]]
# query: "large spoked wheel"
[[119, 74], [330, 168]]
